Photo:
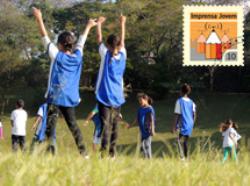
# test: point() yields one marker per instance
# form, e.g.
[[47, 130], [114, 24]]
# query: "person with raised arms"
[[109, 86], [64, 77]]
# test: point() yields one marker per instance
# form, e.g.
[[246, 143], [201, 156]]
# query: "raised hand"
[[37, 13], [92, 23], [123, 19], [101, 19], [122, 24]]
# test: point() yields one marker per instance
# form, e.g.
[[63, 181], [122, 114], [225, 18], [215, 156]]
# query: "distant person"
[[236, 128], [230, 138], [109, 86], [146, 121], [41, 130], [1, 130], [18, 122], [95, 117], [64, 77], [185, 116]]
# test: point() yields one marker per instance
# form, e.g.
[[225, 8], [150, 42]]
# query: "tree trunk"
[[211, 78]]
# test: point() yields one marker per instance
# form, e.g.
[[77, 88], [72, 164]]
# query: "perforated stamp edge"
[[187, 9]]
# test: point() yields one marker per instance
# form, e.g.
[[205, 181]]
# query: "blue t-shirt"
[[144, 115], [109, 86], [65, 77], [40, 133], [186, 123]]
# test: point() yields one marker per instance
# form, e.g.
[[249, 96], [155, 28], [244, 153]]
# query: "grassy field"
[[204, 166]]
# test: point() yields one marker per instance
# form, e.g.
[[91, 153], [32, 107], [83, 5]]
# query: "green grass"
[[203, 168]]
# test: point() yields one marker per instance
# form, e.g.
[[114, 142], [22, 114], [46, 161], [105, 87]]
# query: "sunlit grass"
[[72, 169], [203, 168]]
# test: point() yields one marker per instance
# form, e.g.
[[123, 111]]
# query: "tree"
[[16, 41]]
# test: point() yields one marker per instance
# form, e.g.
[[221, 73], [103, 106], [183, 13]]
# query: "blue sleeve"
[[78, 53], [79, 56]]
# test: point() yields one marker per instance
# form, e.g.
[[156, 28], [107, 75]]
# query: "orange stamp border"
[[213, 36]]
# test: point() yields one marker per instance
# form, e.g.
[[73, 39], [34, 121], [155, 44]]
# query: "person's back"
[[185, 115], [18, 121], [187, 109], [65, 77], [19, 118], [109, 88], [109, 85], [229, 137]]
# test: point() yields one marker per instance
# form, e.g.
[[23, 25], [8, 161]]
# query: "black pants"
[[109, 119], [185, 144], [69, 116], [18, 140]]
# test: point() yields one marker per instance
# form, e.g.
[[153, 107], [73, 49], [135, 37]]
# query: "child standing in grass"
[[40, 127], [109, 86], [185, 115], [230, 138], [18, 122], [146, 121], [64, 77], [95, 117], [1, 129]]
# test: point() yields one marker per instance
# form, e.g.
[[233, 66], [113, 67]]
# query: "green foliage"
[[153, 42]]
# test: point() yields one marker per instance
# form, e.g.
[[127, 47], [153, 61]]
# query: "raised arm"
[[38, 15], [100, 21], [50, 47], [82, 39], [123, 29], [91, 23]]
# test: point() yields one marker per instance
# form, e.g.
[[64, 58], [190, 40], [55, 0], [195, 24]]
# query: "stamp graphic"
[[213, 36]]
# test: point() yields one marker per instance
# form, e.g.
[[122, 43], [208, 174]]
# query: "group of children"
[[185, 116], [63, 95]]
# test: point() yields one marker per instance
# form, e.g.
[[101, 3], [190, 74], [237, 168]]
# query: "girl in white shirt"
[[230, 138]]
